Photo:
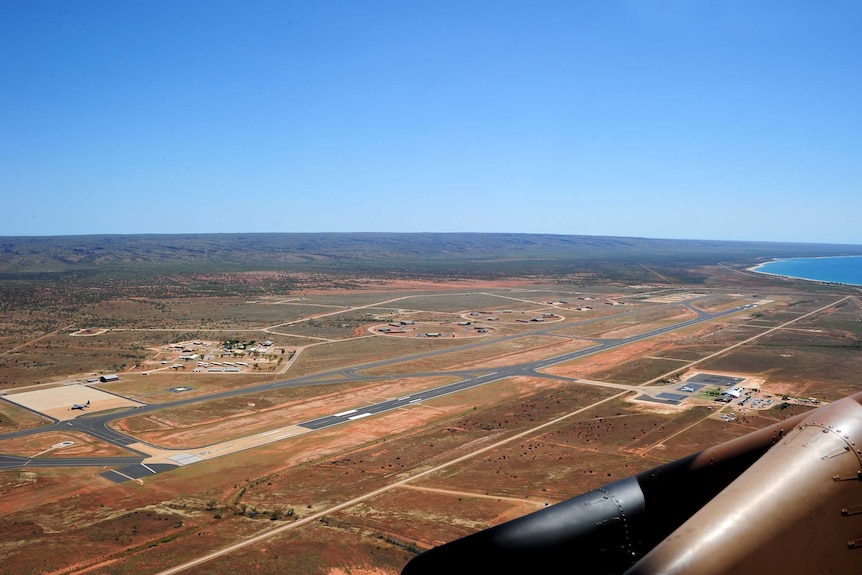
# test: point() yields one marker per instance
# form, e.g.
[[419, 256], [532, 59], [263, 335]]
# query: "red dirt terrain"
[[377, 490]]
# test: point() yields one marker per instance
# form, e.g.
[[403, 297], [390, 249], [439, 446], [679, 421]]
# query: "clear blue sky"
[[732, 119]]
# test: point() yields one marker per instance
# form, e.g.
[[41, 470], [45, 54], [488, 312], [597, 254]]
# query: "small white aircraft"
[[81, 406]]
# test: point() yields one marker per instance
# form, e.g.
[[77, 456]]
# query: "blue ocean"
[[844, 270]]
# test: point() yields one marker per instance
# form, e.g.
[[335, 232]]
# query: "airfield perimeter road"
[[464, 457], [365, 496], [98, 425], [522, 369]]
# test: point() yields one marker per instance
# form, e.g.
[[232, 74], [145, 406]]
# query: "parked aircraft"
[[785, 499], [81, 406]]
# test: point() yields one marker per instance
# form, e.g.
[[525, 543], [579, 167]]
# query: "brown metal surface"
[[788, 513], [786, 499]]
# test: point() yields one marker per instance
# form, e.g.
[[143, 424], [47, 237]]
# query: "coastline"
[[757, 269]]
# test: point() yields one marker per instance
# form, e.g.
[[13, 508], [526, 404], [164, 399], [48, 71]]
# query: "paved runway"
[[97, 425]]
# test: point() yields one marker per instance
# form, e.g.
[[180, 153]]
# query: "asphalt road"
[[96, 425], [523, 369]]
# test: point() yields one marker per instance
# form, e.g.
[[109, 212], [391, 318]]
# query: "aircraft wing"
[[785, 499]]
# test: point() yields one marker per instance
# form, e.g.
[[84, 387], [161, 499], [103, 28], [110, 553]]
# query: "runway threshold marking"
[[316, 516]]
